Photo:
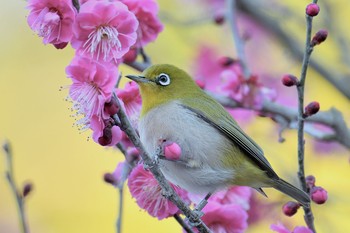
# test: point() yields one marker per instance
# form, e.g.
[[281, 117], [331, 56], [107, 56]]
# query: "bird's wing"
[[228, 127]]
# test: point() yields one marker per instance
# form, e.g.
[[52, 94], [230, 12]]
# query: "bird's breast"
[[200, 168]]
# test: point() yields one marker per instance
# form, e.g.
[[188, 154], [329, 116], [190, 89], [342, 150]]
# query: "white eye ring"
[[163, 79]]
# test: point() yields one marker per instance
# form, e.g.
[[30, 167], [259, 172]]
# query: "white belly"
[[200, 169]]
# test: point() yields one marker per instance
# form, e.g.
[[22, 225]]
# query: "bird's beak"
[[138, 79]]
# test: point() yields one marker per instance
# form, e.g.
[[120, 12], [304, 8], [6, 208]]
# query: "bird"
[[215, 152]]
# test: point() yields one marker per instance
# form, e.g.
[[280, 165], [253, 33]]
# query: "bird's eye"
[[163, 79]]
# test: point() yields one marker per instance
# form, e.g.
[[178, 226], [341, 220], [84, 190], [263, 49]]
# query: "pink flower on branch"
[[149, 25], [92, 88], [131, 100], [53, 20], [148, 194], [238, 195], [282, 229], [225, 76], [229, 218], [104, 30]]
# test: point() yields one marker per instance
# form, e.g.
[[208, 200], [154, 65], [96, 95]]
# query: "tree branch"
[[308, 216], [332, 118], [16, 193], [239, 45]]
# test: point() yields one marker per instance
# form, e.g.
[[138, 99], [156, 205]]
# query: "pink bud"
[[27, 188], [200, 83], [310, 181], [111, 107], [319, 195], [289, 80], [290, 208], [312, 108], [319, 37], [219, 19], [106, 138], [61, 45], [226, 61], [130, 56], [312, 9], [172, 151], [109, 178]]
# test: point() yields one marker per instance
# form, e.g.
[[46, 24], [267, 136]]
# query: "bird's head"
[[163, 83]]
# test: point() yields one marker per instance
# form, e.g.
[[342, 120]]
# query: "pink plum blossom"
[[92, 87], [148, 194], [239, 195], [207, 69], [226, 210], [53, 20], [280, 228], [149, 25], [131, 100], [229, 218], [104, 30], [224, 76]]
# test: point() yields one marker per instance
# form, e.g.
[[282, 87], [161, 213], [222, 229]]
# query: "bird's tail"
[[288, 189]]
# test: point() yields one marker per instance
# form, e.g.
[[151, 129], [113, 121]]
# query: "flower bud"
[[312, 108], [109, 178], [319, 195], [319, 37], [130, 56], [219, 19], [61, 45], [310, 181], [289, 80], [27, 188], [200, 83], [111, 108], [106, 138], [172, 151], [226, 61], [312, 9], [290, 208]]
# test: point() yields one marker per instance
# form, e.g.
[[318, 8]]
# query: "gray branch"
[[332, 118]]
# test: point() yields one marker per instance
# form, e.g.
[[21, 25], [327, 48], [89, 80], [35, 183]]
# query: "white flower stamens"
[[85, 103], [103, 41]]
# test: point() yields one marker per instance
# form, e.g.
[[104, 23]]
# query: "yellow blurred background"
[[66, 169]]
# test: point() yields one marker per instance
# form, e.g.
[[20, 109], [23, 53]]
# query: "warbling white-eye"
[[215, 152]]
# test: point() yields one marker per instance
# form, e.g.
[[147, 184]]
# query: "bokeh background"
[[66, 168]]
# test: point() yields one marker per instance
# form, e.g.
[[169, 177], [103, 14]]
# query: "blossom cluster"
[[226, 211], [225, 76], [103, 33]]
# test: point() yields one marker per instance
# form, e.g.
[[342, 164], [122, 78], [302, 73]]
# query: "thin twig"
[[239, 45], [129, 165], [16, 193], [183, 224], [308, 216], [158, 175], [120, 212], [332, 118]]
